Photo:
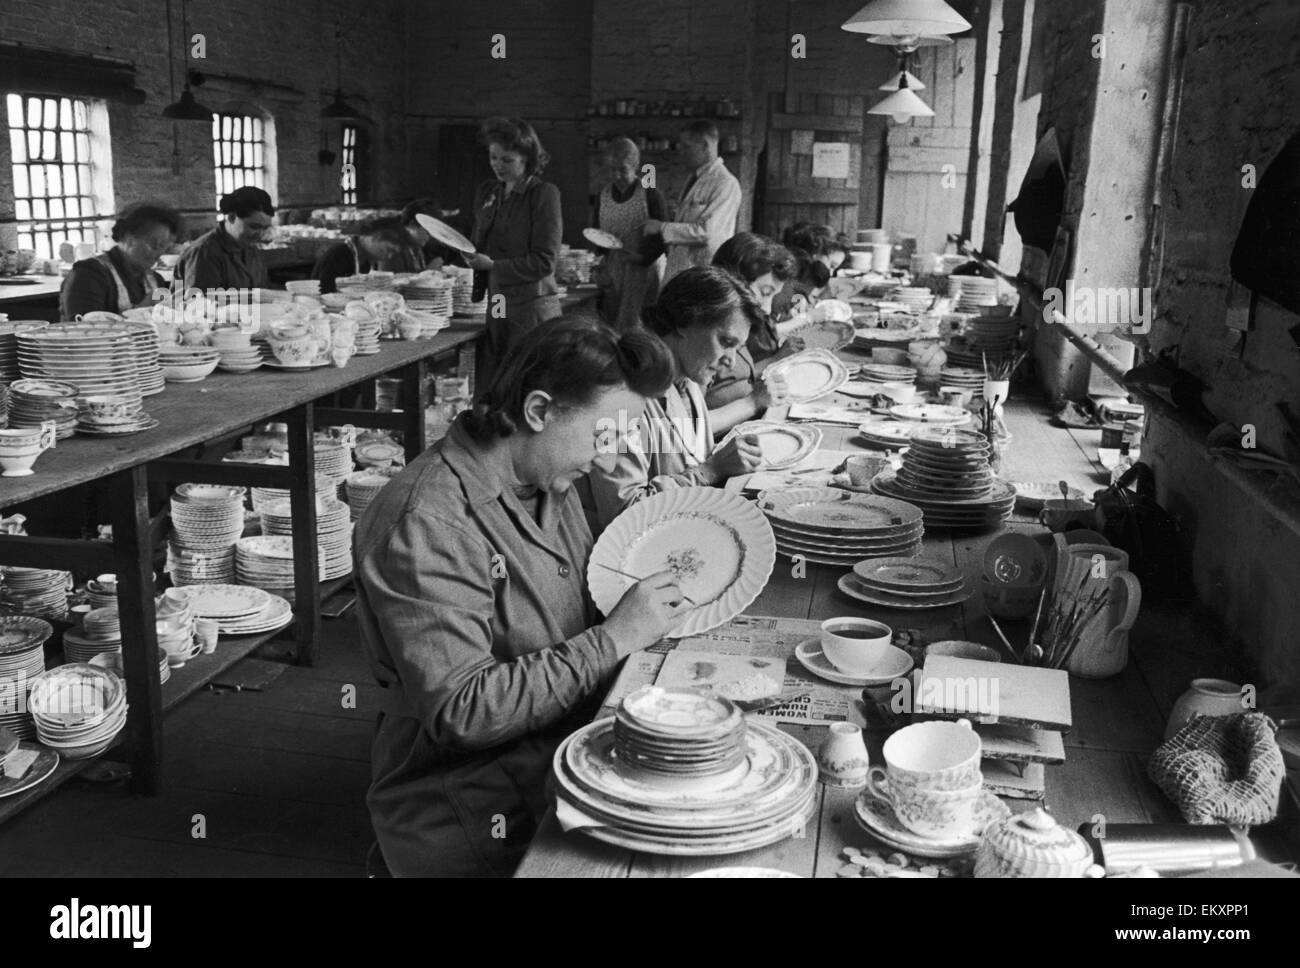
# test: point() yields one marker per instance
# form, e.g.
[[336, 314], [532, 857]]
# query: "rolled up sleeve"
[[432, 592]]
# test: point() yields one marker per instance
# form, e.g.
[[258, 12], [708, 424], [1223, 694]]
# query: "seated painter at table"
[[228, 256], [738, 392], [818, 253], [123, 278], [421, 250], [704, 314], [473, 606], [375, 241]]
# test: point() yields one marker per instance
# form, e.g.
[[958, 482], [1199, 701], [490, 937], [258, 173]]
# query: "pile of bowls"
[[188, 364], [236, 349], [22, 659]]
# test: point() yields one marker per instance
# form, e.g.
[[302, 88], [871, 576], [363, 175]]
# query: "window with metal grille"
[[348, 179], [55, 200], [238, 152]]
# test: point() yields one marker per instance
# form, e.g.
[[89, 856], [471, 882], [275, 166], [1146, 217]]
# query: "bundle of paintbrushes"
[[1067, 621], [1001, 367]]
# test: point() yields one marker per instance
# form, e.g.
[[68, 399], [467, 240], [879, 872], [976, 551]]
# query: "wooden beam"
[[62, 554], [225, 472], [818, 122], [379, 419]]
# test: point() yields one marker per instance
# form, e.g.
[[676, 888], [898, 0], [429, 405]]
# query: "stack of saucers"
[[917, 299], [362, 487], [79, 709], [326, 489], [367, 338], [9, 370], [905, 583], [22, 659], [207, 517], [963, 377], [678, 733], [973, 294], [333, 533], [333, 459], [32, 402], [36, 591], [946, 473], [887, 373], [112, 416], [189, 567], [266, 562]]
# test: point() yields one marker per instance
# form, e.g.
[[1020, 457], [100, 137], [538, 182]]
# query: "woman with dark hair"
[[422, 251], [123, 277], [228, 257], [473, 607], [517, 229], [376, 240], [818, 253], [738, 392], [704, 315]]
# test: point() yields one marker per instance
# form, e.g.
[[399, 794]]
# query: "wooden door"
[[796, 124]]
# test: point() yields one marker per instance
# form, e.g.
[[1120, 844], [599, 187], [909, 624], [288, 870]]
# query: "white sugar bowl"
[[1033, 844]]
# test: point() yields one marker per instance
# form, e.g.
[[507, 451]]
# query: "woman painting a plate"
[[704, 314], [473, 605]]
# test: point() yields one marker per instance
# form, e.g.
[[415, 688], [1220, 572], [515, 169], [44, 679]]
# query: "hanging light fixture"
[[904, 77], [903, 104], [906, 45], [187, 108], [904, 21], [339, 109]]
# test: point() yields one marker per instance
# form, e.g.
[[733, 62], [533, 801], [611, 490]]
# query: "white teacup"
[[855, 646], [939, 756], [19, 448]]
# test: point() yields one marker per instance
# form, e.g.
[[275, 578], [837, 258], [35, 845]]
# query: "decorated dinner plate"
[[45, 763], [852, 586], [829, 334], [829, 509], [909, 574], [810, 374], [227, 601], [782, 444], [877, 817], [445, 234], [719, 546]]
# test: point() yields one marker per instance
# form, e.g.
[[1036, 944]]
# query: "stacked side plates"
[[36, 591], [462, 302], [99, 358], [916, 299], [131, 418], [9, 331], [946, 473], [972, 294], [832, 526], [79, 709], [428, 293], [333, 460], [207, 517], [888, 434], [32, 402], [362, 487], [333, 533], [887, 373], [112, 662], [22, 659], [906, 583], [189, 567], [678, 732], [964, 377], [231, 606], [326, 489], [367, 338]]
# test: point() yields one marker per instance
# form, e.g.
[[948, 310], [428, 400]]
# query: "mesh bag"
[[1222, 769]]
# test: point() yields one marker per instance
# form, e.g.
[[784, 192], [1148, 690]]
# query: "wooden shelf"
[[682, 118]]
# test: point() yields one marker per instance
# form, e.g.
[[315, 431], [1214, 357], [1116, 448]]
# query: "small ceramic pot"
[[842, 757], [1033, 844], [1206, 697]]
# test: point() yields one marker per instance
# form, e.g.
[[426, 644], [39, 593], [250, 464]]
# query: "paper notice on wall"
[[830, 159]]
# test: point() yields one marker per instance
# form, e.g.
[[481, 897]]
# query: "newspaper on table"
[[733, 659]]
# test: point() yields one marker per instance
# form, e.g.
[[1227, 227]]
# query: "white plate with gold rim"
[[810, 374]]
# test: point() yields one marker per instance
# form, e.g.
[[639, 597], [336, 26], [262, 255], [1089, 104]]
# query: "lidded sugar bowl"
[[1033, 844]]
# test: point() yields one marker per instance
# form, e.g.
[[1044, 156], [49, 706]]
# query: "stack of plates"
[[972, 294], [190, 567], [768, 796], [933, 414], [275, 615], [333, 460], [674, 732], [231, 606], [32, 402], [909, 583], [887, 373], [4, 405], [428, 293], [22, 659], [946, 473], [242, 359], [327, 488], [99, 358], [266, 562], [147, 357], [888, 434], [333, 533], [303, 287], [831, 526], [992, 335], [36, 591], [207, 517], [964, 377], [79, 709], [112, 662], [430, 323], [917, 299], [362, 487], [367, 338], [9, 331], [461, 302], [83, 648], [134, 420]]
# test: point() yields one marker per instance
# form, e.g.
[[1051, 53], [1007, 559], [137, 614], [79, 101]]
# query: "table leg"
[[415, 399], [302, 508], [133, 553]]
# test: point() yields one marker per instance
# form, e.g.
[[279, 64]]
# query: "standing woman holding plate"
[[517, 229]]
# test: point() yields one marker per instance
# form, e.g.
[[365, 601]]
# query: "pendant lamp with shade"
[[902, 106], [903, 20], [187, 108], [339, 109]]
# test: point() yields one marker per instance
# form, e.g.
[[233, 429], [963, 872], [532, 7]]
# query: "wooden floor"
[[277, 777]]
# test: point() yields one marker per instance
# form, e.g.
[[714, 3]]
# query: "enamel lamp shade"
[[902, 105], [901, 80], [187, 109], [906, 18]]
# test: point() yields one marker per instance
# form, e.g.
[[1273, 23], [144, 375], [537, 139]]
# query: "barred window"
[[55, 171], [238, 152]]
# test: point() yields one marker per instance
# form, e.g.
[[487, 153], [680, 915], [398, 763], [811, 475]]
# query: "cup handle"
[[195, 649], [878, 785]]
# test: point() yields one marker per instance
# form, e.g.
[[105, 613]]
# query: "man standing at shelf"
[[708, 207]]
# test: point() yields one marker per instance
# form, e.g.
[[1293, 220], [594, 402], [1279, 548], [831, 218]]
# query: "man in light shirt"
[[708, 207]]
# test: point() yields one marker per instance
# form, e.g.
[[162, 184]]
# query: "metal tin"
[[1168, 848]]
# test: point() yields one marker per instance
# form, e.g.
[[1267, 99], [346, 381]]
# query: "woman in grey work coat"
[[473, 607], [517, 230]]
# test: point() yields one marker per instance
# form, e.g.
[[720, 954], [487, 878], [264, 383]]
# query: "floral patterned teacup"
[[937, 814], [937, 756]]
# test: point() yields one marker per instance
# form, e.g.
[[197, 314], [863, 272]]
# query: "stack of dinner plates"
[[992, 335], [888, 434], [767, 795], [972, 294], [333, 460], [98, 358], [915, 299], [266, 562], [275, 615], [207, 517], [428, 293], [333, 533], [22, 659], [101, 632], [190, 567], [362, 487], [231, 606], [678, 732], [147, 357], [367, 337], [964, 377], [79, 709], [9, 330], [4, 405], [946, 473], [36, 591], [32, 402], [112, 662], [887, 373], [462, 302], [327, 488], [906, 583], [832, 526]]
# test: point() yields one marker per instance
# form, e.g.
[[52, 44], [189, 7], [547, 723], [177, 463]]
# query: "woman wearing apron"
[[630, 275], [123, 278], [473, 608], [517, 229], [376, 240]]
